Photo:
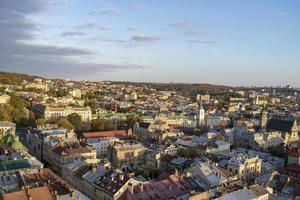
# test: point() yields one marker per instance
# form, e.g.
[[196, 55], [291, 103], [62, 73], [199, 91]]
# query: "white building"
[[4, 98], [76, 93], [58, 112], [101, 144], [216, 121]]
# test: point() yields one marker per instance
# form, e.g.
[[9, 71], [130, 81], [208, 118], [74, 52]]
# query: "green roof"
[[14, 164]]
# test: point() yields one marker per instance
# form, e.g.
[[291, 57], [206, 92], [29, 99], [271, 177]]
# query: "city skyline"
[[219, 42]]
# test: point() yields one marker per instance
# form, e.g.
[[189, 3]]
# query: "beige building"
[[245, 167], [128, 154], [58, 112], [4, 98], [65, 153]]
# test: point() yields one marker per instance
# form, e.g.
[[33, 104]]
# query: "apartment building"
[[58, 112]]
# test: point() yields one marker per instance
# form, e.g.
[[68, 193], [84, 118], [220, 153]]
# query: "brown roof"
[[105, 134], [46, 176], [37, 193], [295, 152]]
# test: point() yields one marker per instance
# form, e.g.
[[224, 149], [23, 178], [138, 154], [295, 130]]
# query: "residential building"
[[102, 144], [59, 112], [247, 168], [127, 154], [4, 98]]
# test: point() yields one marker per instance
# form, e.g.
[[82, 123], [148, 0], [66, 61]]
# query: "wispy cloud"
[[282, 13], [112, 40], [107, 9], [188, 27], [137, 7], [72, 33], [202, 41], [94, 25], [144, 38]]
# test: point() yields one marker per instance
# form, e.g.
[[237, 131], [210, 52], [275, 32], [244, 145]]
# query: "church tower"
[[201, 115], [264, 119]]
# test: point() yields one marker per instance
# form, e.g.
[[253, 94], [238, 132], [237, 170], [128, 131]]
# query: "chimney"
[[130, 187], [141, 187]]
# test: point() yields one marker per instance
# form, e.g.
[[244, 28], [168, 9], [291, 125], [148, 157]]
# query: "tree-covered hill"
[[15, 78]]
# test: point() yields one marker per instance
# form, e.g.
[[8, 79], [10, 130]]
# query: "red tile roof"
[[168, 188], [105, 134]]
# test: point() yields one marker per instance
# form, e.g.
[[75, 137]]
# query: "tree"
[[75, 120], [187, 153], [40, 122], [63, 122]]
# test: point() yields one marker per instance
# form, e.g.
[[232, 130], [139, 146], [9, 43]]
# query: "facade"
[[102, 144], [294, 156], [288, 129], [4, 98], [127, 154], [245, 167], [76, 93], [7, 127], [59, 112], [65, 153], [215, 121]]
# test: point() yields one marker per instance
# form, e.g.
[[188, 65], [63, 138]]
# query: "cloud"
[[72, 33], [113, 40], [107, 9], [94, 25], [21, 53], [188, 27], [202, 41], [137, 7], [282, 13], [140, 38]]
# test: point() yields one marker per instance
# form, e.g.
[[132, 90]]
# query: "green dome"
[[8, 138]]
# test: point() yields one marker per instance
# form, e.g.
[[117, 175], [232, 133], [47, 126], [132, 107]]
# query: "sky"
[[228, 42]]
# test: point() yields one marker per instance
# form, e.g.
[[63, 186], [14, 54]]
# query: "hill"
[[15, 78]]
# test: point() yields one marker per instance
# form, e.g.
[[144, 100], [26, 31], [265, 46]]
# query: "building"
[[36, 139], [115, 133], [76, 93], [172, 187], [288, 129], [255, 192], [203, 98], [215, 121], [4, 98], [127, 155], [102, 144], [294, 156], [7, 127], [59, 112], [65, 152], [201, 116], [14, 162], [246, 167]]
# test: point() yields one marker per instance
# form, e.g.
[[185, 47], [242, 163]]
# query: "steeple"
[[264, 118], [201, 115]]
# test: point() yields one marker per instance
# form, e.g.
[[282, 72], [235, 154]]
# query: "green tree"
[[40, 122], [75, 119], [187, 153], [63, 122]]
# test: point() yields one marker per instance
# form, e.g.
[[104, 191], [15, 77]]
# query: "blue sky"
[[230, 42]]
